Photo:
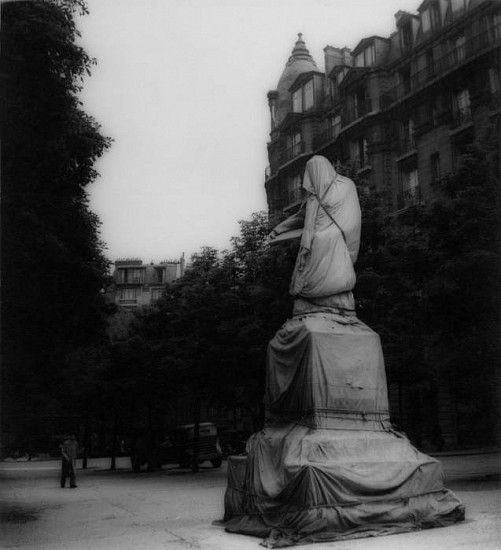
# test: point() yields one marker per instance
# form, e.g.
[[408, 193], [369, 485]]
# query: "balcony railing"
[[409, 197], [455, 57], [294, 195], [360, 162], [461, 116], [294, 151], [407, 143], [495, 101], [328, 135], [350, 115]]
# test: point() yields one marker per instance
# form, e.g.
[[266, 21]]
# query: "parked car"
[[178, 448]]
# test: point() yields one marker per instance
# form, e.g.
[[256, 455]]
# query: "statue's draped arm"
[[290, 228]]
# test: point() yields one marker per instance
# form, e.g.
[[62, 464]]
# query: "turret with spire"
[[299, 62]]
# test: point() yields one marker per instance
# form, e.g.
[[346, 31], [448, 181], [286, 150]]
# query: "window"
[[333, 89], [367, 57], [297, 101], [407, 135], [434, 16], [433, 111], [358, 152], [361, 102], [494, 80], [406, 36], [410, 186], [335, 126], [156, 294], [458, 45], [294, 145], [308, 95], [128, 295], [170, 273], [131, 275], [426, 20], [294, 188], [435, 166], [430, 62], [404, 77], [159, 274], [303, 98], [458, 5], [370, 55], [462, 109], [430, 18]]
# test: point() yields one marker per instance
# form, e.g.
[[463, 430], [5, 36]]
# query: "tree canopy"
[[428, 282], [53, 259]]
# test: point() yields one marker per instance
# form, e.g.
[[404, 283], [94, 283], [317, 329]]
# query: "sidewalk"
[[457, 465], [470, 464]]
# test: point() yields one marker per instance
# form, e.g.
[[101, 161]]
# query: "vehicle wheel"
[[216, 462]]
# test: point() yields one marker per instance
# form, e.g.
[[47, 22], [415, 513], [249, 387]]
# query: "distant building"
[[399, 109], [137, 284]]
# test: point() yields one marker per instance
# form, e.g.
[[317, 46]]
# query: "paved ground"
[[174, 509]]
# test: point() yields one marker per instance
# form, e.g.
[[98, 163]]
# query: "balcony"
[[327, 136], [461, 116], [361, 162], [294, 196], [495, 101], [409, 197], [453, 59], [294, 151], [358, 111], [406, 144]]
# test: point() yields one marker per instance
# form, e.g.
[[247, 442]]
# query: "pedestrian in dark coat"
[[69, 455]]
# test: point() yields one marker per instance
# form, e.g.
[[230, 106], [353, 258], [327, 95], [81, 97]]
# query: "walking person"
[[68, 466]]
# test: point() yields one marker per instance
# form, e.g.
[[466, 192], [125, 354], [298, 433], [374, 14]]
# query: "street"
[[175, 509]]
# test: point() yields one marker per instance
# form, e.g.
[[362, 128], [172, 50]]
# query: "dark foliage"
[[52, 258], [429, 283]]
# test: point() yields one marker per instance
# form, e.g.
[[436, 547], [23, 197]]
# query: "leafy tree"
[[53, 261], [428, 282], [463, 293]]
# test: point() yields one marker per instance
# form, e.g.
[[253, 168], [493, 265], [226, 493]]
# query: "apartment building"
[[137, 284], [398, 109]]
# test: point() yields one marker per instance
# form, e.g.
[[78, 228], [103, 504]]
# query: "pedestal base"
[[328, 465], [299, 485]]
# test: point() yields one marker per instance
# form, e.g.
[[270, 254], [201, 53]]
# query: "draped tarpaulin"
[[328, 465]]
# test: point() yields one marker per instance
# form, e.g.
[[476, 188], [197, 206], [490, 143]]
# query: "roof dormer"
[[407, 27]]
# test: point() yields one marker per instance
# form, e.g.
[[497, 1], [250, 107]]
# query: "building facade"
[[398, 109], [137, 284]]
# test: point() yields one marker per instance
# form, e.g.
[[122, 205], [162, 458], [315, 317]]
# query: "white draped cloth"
[[324, 266]]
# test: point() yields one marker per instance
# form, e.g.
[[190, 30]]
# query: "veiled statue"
[[328, 465]]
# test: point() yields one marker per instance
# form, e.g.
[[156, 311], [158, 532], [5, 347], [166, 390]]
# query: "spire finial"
[[300, 51]]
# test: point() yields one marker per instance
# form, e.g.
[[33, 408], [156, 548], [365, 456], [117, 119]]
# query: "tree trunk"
[[114, 443], [86, 441], [196, 434]]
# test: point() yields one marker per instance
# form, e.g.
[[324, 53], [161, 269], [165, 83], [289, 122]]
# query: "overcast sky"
[[181, 87]]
